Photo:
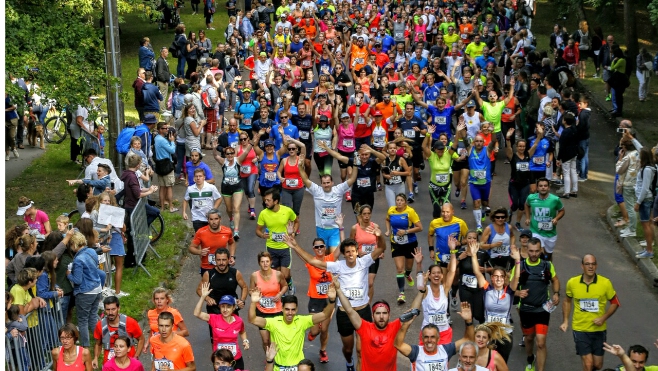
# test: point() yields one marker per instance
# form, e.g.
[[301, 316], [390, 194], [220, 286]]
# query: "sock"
[[400, 279], [289, 281], [477, 214], [407, 272], [531, 359]]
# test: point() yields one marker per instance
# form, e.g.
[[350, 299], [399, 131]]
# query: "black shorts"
[[309, 149], [345, 327], [348, 155], [417, 158], [534, 175], [459, 165], [316, 305], [280, 257], [531, 319], [505, 262], [266, 315], [405, 250], [475, 298], [374, 268], [230, 189], [590, 342]]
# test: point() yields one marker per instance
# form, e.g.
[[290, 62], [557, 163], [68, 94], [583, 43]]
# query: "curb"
[[632, 246]]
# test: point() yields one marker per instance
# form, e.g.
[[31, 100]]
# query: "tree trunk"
[[579, 9], [630, 29]]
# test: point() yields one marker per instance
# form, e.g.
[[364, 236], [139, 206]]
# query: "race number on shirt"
[[232, 347], [270, 175], [496, 318], [303, 135], [277, 237], [363, 182], [410, 133], [439, 319], [545, 226], [163, 363], [589, 305], [211, 259], [470, 281], [245, 169], [322, 288], [522, 166], [538, 160], [348, 143], [267, 302], [353, 293], [442, 178], [479, 174], [292, 182], [401, 240]]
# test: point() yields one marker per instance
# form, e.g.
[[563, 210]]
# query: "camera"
[[171, 131]]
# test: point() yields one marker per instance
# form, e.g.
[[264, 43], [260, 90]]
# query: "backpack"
[[545, 268], [123, 140], [653, 182], [173, 48], [585, 42], [121, 331]]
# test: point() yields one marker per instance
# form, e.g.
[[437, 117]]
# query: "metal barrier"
[[140, 232], [31, 351]]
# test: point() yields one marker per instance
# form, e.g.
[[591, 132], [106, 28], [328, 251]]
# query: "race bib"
[[110, 353], [440, 120], [401, 240], [539, 160], [298, 85], [507, 111], [200, 203], [545, 226], [549, 306], [246, 121], [470, 281], [496, 318], [462, 151], [231, 180], [232, 347], [322, 288], [589, 305], [353, 293], [501, 250], [338, 87], [163, 363], [399, 35], [464, 36], [363, 182], [277, 237], [245, 169], [378, 141], [373, 29], [368, 248], [445, 258], [479, 174], [328, 212], [287, 368], [522, 166], [271, 176], [435, 366], [267, 303], [358, 60], [410, 133], [292, 182], [348, 143], [234, 145], [439, 319], [442, 178], [306, 63], [304, 135], [361, 121], [211, 259]]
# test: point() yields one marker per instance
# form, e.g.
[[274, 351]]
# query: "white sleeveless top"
[[472, 124], [435, 310]]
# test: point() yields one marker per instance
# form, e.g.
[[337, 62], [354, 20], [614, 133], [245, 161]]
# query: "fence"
[[31, 351], [141, 235]]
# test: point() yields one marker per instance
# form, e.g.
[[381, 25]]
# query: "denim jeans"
[[583, 163], [64, 302], [86, 306], [180, 69], [180, 155]]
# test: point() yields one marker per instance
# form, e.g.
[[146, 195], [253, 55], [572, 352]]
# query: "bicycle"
[[156, 228], [55, 126]]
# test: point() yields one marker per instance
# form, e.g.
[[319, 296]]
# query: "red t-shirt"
[[377, 346], [205, 238], [132, 328], [361, 129]]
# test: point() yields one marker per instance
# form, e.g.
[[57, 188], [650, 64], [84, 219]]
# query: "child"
[[100, 185], [100, 145], [18, 322], [62, 223], [136, 148]]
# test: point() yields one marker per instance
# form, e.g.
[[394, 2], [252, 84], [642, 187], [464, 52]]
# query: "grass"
[[642, 114]]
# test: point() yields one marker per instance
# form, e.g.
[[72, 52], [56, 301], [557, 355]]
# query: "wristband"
[[245, 340], [469, 323], [428, 134], [517, 262], [272, 361], [453, 251], [341, 229], [332, 302], [431, 248]]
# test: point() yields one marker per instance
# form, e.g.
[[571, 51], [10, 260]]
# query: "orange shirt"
[[177, 352], [359, 57], [465, 32], [311, 30], [205, 238], [153, 319], [387, 111], [319, 279]]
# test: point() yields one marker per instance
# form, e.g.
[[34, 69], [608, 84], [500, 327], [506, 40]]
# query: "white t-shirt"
[[327, 204], [353, 281], [203, 199], [82, 111], [90, 172], [262, 68]]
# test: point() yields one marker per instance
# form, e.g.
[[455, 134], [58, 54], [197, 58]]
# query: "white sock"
[[477, 214]]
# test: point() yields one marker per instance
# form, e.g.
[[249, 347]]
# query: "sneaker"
[[252, 215], [15, 153], [350, 367], [487, 210], [379, 188], [6, 157], [422, 165], [558, 182], [629, 234], [644, 255], [641, 252], [608, 98], [483, 218], [518, 226], [522, 343], [236, 236], [211, 28], [410, 281], [310, 336], [454, 304], [291, 288], [410, 199], [643, 243], [324, 358], [348, 196], [457, 192], [561, 190], [463, 205], [122, 294], [625, 231], [530, 367], [415, 186], [479, 230], [595, 76], [401, 298], [580, 180]]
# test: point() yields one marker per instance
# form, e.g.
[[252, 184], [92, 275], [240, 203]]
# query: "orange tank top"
[[268, 289], [319, 279], [367, 241], [78, 365]]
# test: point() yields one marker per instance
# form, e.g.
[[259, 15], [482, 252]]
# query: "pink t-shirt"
[[225, 335], [39, 222], [134, 365]]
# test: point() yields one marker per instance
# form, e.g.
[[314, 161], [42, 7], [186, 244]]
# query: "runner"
[[248, 171], [590, 292], [288, 330], [468, 290], [272, 287], [479, 178], [486, 337], [636, 358], [226, 327], [169, 350], [413, 128], [201, 197], [269, 163], [402, 224], [162, 299], [468, 354], [367, 242], [273, 226], [208, 239], [539, 160], [546, 210], [113, 325], [499, 238], [536, 304], [292, 193], [395, 172], [519, 182]]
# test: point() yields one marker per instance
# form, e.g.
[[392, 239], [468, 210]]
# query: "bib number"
[[464, 36], [287, 368], [298, 85], [232, 180], [353, 293], [358, 60], [163, 363], [200, 203], [267, 303], [232, 347], [589, 305], [399, 35], [306, 64], [501, 250], [497, 318], [246, 121], [445, 258], [507, 111], [322, 288], [522, 166], [211, 259], [549, 306], [442, 178], [410, 133], [539, 160], [439, 319], [110, 353], [348, 143], [440, 120], [363, 182], [271, 176], [368, 248], [479, 174], [435, 366], [292, 182], [545, 226], [277, 237], [401, 240], [470, 281], [245, 169], [378, 141], [303, 135]]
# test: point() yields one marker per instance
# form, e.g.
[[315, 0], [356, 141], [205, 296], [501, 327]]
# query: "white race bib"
[[287, 368], [445, 258], [353, 293], [271, 176], [589, 305], [538, 160], [507, 111], [348, 143], [211, 259], [304, 135], [479, 174], [358, 60], [439, 319], [163, 363], [292, 182], [399, 35], [322, 288], [298, 85], [267, 303], [440, 120], [410, 133], [277, 237], [435, 366], [306, 63], [368, 248], [501, 250], [470, 281], [378, 141], [110, 354], [231, 180], [246, 121], [363, 182], [401, 240], [522, 166], [464, 36], [245, 169], [545, 226], [442, 178], [232, 347], [496, 318]]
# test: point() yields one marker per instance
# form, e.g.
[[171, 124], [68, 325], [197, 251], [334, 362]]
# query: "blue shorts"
[[645, 210], [619, 198], [330, 236], [116, 245], [480, 191]]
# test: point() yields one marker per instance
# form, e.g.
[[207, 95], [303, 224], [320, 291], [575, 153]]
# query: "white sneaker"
[[643, 243], [6, 157], [629, 234], [625, 230], [16, 153], [122, 294], [560, 191]]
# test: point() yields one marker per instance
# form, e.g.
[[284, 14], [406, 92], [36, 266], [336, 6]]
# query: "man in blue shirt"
[[245, 110], [196, 163], [146, 55], [418, 59], [283, 128], [152, 96], [484, 59], [165, 146]]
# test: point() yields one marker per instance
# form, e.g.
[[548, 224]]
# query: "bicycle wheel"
[[74, 216], [56, 130], [157, 228]]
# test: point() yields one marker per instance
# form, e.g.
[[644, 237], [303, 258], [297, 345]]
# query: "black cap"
[[525, 232], [324, 118], [438, 145]]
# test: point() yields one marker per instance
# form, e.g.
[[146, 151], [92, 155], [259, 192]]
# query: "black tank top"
[[394, 166], [223, 283], [520, 170]]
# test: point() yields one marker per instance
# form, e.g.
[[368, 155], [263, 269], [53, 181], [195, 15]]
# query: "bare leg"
[[118, 273]]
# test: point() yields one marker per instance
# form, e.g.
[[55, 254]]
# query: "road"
[[582, 231], [15, 166]]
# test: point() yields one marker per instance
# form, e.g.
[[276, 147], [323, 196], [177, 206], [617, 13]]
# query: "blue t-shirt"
[[290, 130], [431, 93], [442, 120], [387, 43], [538, 160], [422, 62], [191, 168], [248, 110]]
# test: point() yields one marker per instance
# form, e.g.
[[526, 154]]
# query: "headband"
[[374, 308]]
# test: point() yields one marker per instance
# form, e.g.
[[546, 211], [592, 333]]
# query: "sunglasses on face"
[[319, 246], [499, 216]]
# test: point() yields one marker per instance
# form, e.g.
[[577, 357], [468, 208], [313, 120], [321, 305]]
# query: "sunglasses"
[[292, 149], [284, 117], [244, 139], [500, 217], [319, 246], [230, 153]]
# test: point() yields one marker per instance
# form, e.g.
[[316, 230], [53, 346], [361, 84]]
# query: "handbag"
[[164, 167]]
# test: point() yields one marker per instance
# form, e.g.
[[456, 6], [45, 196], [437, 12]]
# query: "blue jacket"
[[146, 57], [99, 185], [85, 275], [43, 287], [152, 97]]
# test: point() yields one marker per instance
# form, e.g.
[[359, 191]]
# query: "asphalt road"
[[582, 231]]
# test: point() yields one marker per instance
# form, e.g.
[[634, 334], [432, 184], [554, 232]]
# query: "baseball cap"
[[345, 115], [471, 103], [439, 145], [150, 119], [324, 118], [227, 299], [377, 114], [263, 54], [525, 232], [268, 142], [246, 90]]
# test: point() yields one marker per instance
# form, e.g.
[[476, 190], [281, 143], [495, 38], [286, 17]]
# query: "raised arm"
[[253, 319], [305, 256], [473, 248], [205, 291], [427, 142]]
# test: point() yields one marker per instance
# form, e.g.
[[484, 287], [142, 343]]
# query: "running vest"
[[472, 124], [432, 362], [366, 178], [269, 289], [398, 31], [498, 305], [536, 279], [223, 283], [121, 331], [394, 166], [231, 173], [293, 180], [440, 168], [520, 170], [268, 177], [321, 135], [508, 111], [435, 310], [367, 241], [494, 237], [480, 167], [378, 137]]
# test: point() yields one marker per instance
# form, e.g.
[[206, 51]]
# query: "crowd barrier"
[[141, 234], [31, 351]]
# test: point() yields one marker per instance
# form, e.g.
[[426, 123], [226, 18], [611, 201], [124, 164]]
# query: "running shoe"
[[6, 157], [422, 165], [463, 205], [595, 75], [236, 235], [518, 226], [644, 255], [479, 230], [484, 217], [232, 224], [457, 192], [487, 210], [348, 196], [410, 281], [15, 152], [379, 188], [531, 367], [122, 294], [608, 98], [522, 343], [252, 214], [324, 358], [410, 199], [291, 287], [401, 298], [416, 187], [454, 304], [350, 367]]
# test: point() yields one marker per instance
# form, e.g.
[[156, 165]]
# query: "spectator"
[[35, 218], [151, 95], [583, 137], [644, 63], [644, 193], [11, 245], [208, 12], [101, 184], [605, 59], [93, 161], [165, 147], [58, 243], [191, 129], [191, 53], [162, 75], [627, 167], [137, 90], [27, 245], [181, 46], [11, 126], [618, 81], [567, 155], [113, 237], [15, 326], [80, 128], [146, 55], [25, 295]]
